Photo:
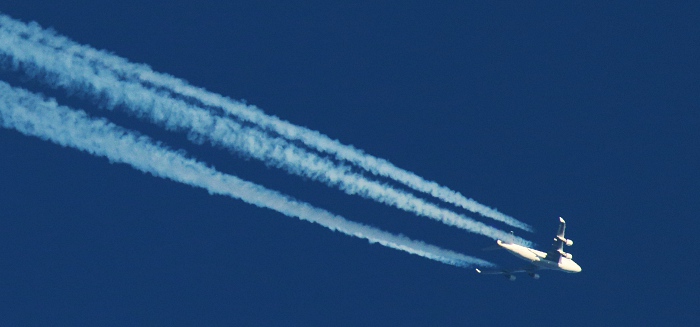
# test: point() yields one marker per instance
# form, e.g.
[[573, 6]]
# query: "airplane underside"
[[555, 259]]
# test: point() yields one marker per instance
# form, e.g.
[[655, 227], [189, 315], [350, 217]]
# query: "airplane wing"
[[557, 250], [508, 273]]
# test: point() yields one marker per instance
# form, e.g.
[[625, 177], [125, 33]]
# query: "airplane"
[[555, 259]]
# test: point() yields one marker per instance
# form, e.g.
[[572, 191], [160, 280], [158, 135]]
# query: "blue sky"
[[586, 111]]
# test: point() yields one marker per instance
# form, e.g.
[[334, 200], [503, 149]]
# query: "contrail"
[[32, 115], [101, 60], [77, 73]]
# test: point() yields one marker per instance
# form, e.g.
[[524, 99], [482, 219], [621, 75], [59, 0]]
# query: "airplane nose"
[[577, 268], [571, 266]]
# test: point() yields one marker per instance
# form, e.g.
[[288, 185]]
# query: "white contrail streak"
[[137, 72], [77, 73], [33, 115]]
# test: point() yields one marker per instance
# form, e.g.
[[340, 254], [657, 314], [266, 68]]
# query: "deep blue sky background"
[[587, 111]]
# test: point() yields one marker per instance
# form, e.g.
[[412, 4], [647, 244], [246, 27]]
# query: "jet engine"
[[534, 276], [567, 255], [566, 241]]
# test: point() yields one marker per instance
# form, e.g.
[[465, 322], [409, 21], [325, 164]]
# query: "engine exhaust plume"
[[32, 115]]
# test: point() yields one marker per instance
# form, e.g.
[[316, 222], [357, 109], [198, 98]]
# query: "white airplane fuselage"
[[537, 258]]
